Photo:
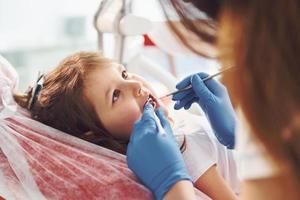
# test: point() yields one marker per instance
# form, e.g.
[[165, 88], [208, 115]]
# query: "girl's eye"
[[115, 96], [124, 74]]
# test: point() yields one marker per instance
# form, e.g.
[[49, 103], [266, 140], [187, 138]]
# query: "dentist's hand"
[[213, 98], [153, 157]]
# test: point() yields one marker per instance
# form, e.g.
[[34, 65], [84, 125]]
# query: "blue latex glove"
[[153, 157], [213, 98]]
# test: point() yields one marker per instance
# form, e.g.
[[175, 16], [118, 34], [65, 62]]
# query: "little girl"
[[96, 99]]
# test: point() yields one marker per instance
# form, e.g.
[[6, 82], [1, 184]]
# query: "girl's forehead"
[[112, 65], [118, 66], [100, 68], [106, 71]]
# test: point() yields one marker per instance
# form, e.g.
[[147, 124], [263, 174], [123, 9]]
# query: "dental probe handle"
[[190, 86]]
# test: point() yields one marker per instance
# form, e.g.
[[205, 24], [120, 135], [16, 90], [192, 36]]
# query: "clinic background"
[[36, 34]]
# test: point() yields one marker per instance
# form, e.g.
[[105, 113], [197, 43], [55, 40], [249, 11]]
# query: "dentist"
[[262, 39]]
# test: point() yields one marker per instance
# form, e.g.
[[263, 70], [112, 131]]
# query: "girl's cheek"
[[131, 113], [130, 121], [133, 117], [123, 124]]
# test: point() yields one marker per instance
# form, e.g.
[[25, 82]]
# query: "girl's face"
[[118, 98]]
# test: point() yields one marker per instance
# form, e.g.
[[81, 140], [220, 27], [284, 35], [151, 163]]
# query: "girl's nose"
[[136, 88]]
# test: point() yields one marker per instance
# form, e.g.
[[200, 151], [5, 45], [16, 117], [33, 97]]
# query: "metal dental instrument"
[[189, 87]]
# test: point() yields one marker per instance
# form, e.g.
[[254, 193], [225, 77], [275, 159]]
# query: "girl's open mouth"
[[153, 101]]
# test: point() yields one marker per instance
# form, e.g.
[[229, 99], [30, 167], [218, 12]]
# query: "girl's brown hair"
[[62, 104], [262, 39]]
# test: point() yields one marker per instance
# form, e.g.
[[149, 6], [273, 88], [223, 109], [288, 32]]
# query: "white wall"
[[35, 35], [40, 21]]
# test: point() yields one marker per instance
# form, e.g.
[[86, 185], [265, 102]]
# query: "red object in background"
[[148, 41], [1, 198]]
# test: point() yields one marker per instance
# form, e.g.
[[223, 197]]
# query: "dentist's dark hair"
[[262, 39]]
